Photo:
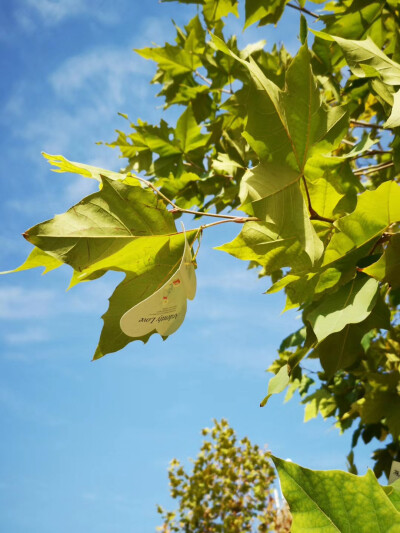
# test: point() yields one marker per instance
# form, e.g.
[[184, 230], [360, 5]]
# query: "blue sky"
[[85, 446]]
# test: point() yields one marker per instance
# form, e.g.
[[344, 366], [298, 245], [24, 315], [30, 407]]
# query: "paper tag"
[[394, 472], [165, 310]]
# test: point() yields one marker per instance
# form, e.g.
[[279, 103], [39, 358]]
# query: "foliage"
[[230, 488], [331, 501], [308, 148]]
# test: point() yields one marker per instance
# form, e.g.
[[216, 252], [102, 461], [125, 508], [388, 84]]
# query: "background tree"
[[230, 488]]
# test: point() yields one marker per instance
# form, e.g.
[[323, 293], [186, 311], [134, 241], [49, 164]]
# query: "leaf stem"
[[304, 10], [239, 220], [313, 214]]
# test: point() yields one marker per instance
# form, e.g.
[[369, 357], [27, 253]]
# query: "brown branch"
[[370, 153], [362, 124], [313, 214], [373, 168], [304, 10], [177, 209], [209, 83]]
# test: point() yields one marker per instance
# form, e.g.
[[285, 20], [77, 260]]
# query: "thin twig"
[[362, 124], [209, 82], [313, 214], [304, 10], [177, 209], [370, 153], [239, 220], [373, 168]]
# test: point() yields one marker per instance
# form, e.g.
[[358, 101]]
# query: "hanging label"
[[165, 310], [394, 472]]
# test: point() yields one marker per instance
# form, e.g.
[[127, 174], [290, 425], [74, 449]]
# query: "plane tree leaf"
[[188, 133], [263, 12], [366, 59], [277, 384], [376, 210], [38, 258], [87, 171], [341, 350], [148, 266], [351, 304], [331, 501], [102, 224], [387, 268]]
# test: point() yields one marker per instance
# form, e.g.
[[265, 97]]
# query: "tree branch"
[[362, 124], [209, 83], [373, 168], [304, 10], [177, 209]]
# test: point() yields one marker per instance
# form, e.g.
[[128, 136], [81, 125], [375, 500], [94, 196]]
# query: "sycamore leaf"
[[214, 10], [87, 171], [263, 12], [394, 119], [277, 384], [387, 268], [165, 310], [341, 350], [172, 59], [365, 59], [263, 243], [188, 132], [376, 210], [352, 19], [102, 223], [149, 264], [393, 492], [38, 258], [270, 205], [351, 304], [330, 501]]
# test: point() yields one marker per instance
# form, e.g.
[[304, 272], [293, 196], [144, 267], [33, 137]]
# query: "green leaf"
[[331, 501], [277, 384], [102, 223], [351, 304], [37, 258], [394, 120], [188, 132], [303, 29], [376, 210], [365, 59], [341, 350], [353, 19], [271, 188], [87, 171], [387, 268], [394, 493], [214, 10], [264, 244], [172, 59], [263, 12], [148, 263]]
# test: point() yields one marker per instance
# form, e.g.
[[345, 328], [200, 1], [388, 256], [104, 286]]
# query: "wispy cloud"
[[27, 336], [53, 12]]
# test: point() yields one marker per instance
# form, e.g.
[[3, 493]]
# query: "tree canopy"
[[303, 153]]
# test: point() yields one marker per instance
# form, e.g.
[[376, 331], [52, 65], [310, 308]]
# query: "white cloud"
[[53, 12], [20, 303], [27, 336], [102, 71]]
